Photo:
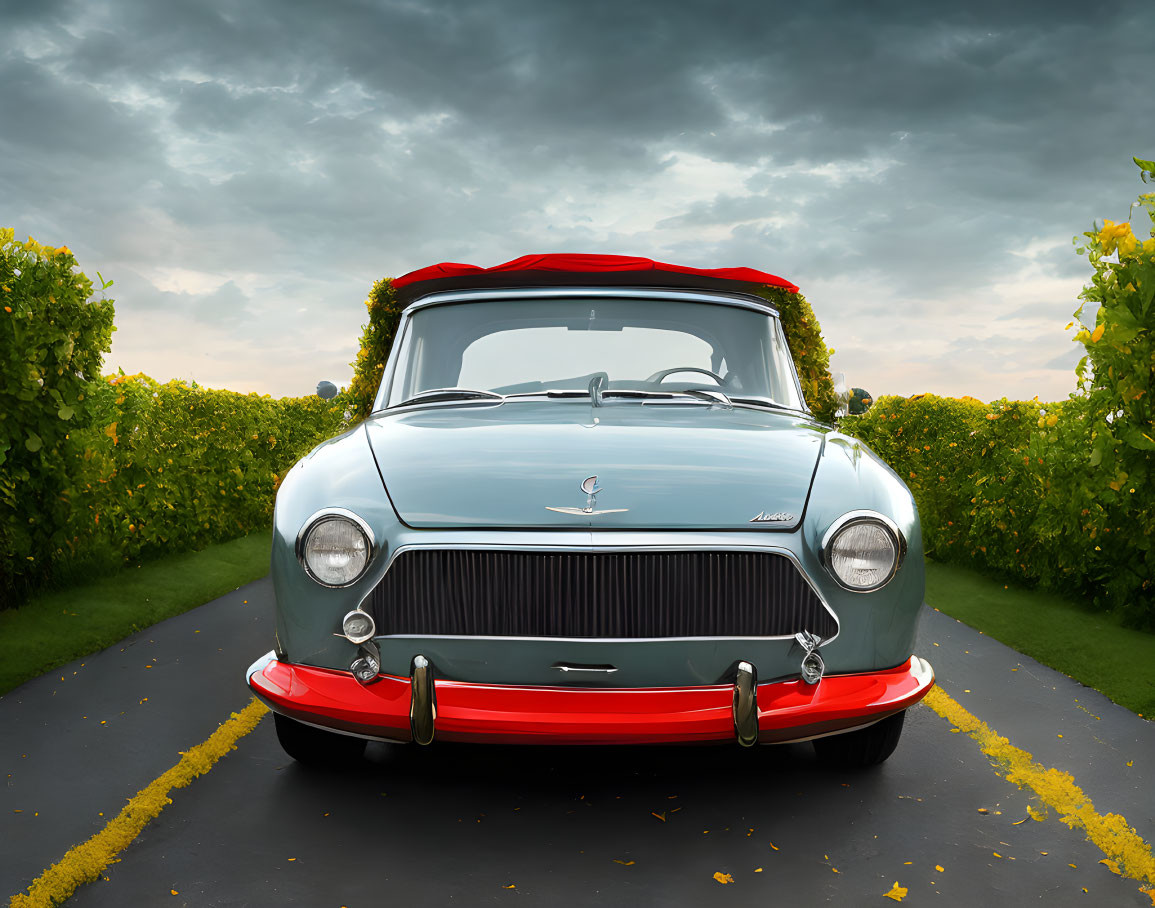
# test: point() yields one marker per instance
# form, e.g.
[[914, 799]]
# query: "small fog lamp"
[[358, 626], [812, 668], [365, 668]]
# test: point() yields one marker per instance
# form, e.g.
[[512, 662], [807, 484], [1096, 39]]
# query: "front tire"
[[315, 746], [866, 747]]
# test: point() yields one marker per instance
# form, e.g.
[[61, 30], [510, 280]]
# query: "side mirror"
[[326, 390]]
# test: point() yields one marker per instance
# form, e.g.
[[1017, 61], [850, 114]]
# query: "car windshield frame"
[[397, 359]]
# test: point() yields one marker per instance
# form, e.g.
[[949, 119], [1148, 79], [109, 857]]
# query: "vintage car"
[[591, 506]]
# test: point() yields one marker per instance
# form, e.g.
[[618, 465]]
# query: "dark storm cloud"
[[919, 147]]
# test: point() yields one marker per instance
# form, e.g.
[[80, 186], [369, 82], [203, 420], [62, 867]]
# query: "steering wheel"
[[660, 376]]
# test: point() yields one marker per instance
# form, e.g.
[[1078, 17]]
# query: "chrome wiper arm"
[[714, 396], [632, 394], [763, 402], [434, 394], [551, 392]]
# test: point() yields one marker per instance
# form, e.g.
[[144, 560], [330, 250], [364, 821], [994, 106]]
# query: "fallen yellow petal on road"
[[87, 861], [1111, 833]]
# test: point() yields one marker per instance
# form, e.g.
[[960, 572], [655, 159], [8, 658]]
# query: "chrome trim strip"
[[320, 515], [768, 407], [386, 386], [829, 734], [851, 517], [423, 701], [745, 707], [742, 301], [597, 550], [575, 667], [571, 639]]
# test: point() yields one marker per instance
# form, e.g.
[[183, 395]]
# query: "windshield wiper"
[[435, 394], [698, 395], [714, 396], [762, 402], [551, 392], [633, 394]]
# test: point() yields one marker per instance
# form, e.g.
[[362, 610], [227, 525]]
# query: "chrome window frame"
[[470, 296]]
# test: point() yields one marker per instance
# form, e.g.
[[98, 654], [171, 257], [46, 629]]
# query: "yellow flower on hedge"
[[1117, 236], [1097, 333]]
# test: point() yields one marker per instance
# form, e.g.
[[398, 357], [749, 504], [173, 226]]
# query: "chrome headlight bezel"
[[855, 518], [328, 514]]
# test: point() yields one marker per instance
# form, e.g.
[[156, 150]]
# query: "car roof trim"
[[717, 297]]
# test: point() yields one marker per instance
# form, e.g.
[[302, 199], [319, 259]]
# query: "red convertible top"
[[556, 269]]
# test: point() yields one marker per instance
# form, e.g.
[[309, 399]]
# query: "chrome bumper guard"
[[746, 705], [423, 701]]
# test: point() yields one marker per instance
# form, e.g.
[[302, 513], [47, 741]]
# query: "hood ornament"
[[590, 486]]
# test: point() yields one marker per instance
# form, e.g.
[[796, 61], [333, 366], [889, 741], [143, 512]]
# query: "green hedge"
[[376, 342], [53, 334], [970, 468], [97, 471], [1056, 494], [171, 467]]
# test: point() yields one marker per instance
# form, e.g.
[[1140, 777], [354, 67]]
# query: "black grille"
[[583, 594]]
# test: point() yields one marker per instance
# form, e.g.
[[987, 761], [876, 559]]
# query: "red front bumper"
[[787, 710]]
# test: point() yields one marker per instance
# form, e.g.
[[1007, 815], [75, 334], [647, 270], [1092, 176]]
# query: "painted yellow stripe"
[[1121, 844], [87, 861]]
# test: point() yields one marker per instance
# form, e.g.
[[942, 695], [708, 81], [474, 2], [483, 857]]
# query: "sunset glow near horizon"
[[244, 172]]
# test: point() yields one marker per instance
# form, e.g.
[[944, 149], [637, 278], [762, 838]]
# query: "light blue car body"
[[484, 473]]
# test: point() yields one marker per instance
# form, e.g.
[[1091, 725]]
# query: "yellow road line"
[[88, 860], [1129, 855]]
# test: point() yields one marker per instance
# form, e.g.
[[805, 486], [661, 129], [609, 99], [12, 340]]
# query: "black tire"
[[315, 746], [866, 747]]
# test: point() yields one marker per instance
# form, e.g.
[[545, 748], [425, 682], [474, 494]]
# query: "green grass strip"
[[87, 861], [57, 627], [1091, 647]]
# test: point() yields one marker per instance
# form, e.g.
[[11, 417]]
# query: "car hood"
[[658, 467]]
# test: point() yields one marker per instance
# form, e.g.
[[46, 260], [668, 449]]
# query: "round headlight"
[[335, 549], [862, 553]]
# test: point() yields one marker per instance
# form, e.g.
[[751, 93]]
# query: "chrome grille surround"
[[626, 593]]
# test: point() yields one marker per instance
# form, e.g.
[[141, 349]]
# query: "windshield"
[[535, 346]]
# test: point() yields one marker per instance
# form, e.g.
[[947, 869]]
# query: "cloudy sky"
[[245, 169]]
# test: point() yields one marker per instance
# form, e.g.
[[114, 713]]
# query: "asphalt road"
[[471, 825]]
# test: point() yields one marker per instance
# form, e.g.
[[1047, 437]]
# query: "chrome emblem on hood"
[[763, 517], [590, 486]]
